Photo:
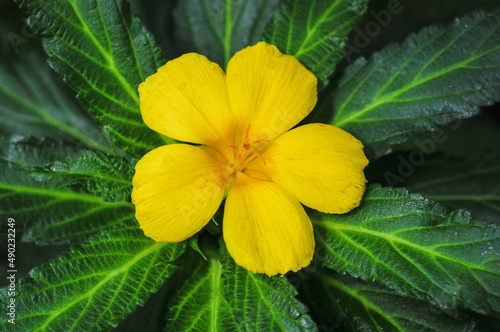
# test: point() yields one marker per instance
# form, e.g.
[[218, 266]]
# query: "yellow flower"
[[240, 121]]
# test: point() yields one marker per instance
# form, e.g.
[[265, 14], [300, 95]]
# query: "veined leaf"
[[151, 316], [348, 304], [219, 28], [95, 285], [221, 296], [414, 245], [67, 165], [41, 106], [262, 303], [25, 151], [200, 304], [315, 31], [103, 54], [55, 215], [473, 184], [102, 175], [435, 77]]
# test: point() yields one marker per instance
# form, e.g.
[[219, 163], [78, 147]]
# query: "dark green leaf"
[[104, 54], [435, 77], [414, 245], [221, 296], [193, 243], [95, 285], [33, 102], [315, 31], [100, 175], [66, 165], [151, 317], [24, 151], [345, 303], [473, 184], [465, 138], [54, 215], [158, 18], [218, 29], [200, 304], [262, 303]]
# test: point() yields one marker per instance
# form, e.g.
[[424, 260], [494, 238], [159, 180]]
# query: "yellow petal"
[[320, 164], [269, 91], [187, 100], [177, 189], [266, 230]]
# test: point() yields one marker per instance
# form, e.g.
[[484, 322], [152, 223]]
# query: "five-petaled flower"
[[240, 121]]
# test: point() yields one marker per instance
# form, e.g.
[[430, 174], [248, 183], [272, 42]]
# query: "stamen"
[[246, 152], [242, 167], [248, 131], [255, 155], [260, 156]]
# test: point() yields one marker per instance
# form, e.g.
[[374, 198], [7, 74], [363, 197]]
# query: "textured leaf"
[[104, 54], [41, 106], [219, 28], [158, 18], [95, 285], [345, 303], [54, 215], [101, 175], [67, 165], [151, 317], [221, 296], [414, 245], [435, 77], [315, 31], [472, 184], [200, 304], [25, 151], [262, 303]]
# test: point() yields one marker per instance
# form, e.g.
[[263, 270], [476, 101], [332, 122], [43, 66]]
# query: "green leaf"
[[101, 175], [218, 29], [54, 215], [158, 18], [465, 139], [200, 304], [151, 317], [414, 245], [221, 296], [103, 54], [95, 285], [25, 151], [262, 303], [42, 106], [473, 184], [315, 31], [435, 77], [345, 303]]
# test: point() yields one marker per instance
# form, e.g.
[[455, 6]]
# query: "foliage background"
[[479, 134]]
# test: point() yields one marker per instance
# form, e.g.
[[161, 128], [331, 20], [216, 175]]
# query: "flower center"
[[245, 152]]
